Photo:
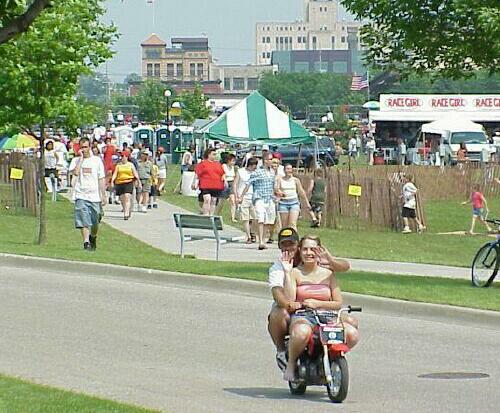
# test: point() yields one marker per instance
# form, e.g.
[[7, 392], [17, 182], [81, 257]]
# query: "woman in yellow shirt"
[[123, 179]]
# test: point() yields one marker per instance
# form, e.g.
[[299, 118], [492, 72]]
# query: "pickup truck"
[[452, 133]]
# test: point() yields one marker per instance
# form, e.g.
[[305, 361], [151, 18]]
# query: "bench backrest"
[[198, 221]]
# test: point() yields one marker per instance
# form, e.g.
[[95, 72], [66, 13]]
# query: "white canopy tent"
[[443, 126]]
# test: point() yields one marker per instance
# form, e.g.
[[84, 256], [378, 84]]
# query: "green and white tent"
[[256, 120]]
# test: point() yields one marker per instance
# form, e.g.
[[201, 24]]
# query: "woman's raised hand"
[[322, 254]]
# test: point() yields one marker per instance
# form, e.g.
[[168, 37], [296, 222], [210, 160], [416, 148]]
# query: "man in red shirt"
[[210, 175]]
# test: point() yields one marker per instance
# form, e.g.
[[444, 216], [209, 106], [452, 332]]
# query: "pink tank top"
[[319, 292], [477, 200]]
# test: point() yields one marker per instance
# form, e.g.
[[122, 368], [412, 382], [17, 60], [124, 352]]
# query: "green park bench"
[[204, 223]]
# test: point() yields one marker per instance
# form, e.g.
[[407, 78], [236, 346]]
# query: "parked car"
[[303, 155]]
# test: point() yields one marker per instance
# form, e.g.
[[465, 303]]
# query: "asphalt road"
[[187, 349]]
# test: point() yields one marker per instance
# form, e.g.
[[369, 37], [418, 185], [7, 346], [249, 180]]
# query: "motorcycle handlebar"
[[348, 309]]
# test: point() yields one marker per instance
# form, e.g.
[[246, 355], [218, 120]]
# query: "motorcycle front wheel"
[[337, 389], [297, 388]]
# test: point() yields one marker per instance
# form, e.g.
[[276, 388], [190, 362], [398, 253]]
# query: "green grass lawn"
[[21, 396], [430, 247], [17, 236]]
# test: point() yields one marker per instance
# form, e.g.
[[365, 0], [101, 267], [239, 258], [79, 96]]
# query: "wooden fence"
[[18, 193], [380, 202], [449, 183]]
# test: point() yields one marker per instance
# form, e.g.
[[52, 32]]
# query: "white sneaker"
[[421, 228], [144, 208], [406, 230]]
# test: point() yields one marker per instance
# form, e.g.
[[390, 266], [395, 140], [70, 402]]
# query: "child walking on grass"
[[479, 207]]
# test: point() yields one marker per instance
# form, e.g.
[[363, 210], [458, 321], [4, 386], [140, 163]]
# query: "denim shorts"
[[289, 205], [87, 214], [477, 212]]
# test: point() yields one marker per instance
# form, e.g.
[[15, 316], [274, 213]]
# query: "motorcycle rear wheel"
[[297, 388], [337, 390]]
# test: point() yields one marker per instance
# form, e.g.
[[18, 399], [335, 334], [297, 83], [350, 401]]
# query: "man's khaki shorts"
[[247, 210]]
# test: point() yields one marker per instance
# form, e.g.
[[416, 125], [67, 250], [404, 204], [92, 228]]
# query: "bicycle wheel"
[[485, 265]]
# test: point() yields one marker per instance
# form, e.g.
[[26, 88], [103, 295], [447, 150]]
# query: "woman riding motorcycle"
[[313, 287]]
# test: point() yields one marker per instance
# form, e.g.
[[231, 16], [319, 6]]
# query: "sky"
[[228, 24]]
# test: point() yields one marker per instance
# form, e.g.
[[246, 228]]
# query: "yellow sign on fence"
[[354, 190], [16, 173]]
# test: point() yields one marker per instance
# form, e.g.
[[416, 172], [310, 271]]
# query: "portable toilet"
[[123, 134], [177, 146], [146, 136], [163, 139]]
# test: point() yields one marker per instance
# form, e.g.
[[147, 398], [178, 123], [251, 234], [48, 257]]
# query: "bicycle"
[[487, 260]]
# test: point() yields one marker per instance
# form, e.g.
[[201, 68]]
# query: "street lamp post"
[[167, 94]]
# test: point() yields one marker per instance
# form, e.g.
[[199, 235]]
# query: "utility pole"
[[108, 89]]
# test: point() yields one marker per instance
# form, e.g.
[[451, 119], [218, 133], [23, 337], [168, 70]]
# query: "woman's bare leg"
[[232, 203], [284, 219], [161, 184], [207, 202], [300, 332], [293, 217], [123, 201]]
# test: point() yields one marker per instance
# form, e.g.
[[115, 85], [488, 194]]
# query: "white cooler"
[[187, 181]]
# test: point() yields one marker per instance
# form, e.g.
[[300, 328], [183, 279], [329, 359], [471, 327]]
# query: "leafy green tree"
[[391, 82], [132, 77], [151, 101], [194, 105], [41, 67], [299, 90], [17, 15], [93, 87], [450, 38]]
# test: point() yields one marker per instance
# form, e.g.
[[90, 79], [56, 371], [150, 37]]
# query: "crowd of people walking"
[[263, 194]]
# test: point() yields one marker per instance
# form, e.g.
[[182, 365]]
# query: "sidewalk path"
[[157, 228]]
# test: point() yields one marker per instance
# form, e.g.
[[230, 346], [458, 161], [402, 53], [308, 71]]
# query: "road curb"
[[370, 304]]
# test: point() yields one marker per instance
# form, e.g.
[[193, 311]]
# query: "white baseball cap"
[[265, 147]]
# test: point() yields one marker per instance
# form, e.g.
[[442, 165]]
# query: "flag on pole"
[[359, 82]]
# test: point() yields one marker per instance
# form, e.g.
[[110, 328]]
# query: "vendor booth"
[[256, 120]]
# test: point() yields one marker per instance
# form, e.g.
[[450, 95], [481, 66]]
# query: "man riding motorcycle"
[[283, 306]]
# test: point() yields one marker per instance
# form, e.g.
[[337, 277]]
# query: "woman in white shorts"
[[161, 163]]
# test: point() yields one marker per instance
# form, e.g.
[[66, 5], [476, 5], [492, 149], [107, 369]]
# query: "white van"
[[454, 132]]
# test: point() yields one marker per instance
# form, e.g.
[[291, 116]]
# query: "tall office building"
[[321, 29]]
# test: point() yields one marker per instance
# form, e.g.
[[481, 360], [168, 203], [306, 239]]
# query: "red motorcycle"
[[323, 363]]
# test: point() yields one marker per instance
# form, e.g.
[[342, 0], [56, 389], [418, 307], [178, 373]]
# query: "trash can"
[[187, 181]]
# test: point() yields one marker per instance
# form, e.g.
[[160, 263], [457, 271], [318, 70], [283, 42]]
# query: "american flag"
[[359, 82]]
